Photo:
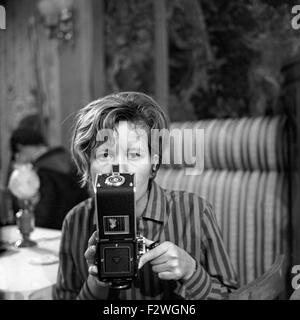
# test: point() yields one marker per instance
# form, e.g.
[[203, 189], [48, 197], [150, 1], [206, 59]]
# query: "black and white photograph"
[[149, 151]]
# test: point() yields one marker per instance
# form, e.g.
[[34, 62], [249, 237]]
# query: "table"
[[29, 273]]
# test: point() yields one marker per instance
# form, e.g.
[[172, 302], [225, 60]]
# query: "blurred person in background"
[[58, 190]]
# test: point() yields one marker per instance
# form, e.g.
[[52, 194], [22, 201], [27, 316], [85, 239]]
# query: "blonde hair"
[[105, 113]]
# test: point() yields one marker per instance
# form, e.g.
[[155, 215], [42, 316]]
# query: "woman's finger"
[[90, 255], [93, 270], [167, 275], [153, 254], [93, 239], [161, 259], [148, 242], [161, 268]]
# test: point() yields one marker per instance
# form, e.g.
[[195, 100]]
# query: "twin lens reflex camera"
[[119, 247]]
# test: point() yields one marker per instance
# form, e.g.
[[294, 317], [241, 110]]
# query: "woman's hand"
[[169, 261], [90, 258]]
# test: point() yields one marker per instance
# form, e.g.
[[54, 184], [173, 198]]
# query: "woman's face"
[[128, 147]]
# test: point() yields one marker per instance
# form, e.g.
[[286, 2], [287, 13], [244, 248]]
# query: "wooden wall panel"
[[28, 70], [161, 54], [16, 74], [41, 74], [49, 67], [98, 81], [3, 103], [76, 68]]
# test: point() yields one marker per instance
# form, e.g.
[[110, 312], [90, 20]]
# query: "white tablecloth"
[[29, 273]]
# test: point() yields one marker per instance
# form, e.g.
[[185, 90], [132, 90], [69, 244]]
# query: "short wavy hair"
[[105, 113]]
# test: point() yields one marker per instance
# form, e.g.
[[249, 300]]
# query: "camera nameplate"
[[116, 224]]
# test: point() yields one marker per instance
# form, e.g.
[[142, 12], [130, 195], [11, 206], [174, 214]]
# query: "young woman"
[[190, 262]]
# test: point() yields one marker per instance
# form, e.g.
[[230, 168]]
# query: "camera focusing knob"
[[141, 245], [115, 180]]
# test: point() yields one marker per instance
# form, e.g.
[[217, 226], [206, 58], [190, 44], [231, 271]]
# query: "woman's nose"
[[124, 167], [122, 163]]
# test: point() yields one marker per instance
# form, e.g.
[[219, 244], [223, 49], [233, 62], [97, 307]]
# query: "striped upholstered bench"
[[245, 178]]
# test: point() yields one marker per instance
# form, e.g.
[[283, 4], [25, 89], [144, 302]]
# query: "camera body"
[[119, 247]]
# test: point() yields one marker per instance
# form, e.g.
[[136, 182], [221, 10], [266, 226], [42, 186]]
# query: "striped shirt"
[[176, 216]]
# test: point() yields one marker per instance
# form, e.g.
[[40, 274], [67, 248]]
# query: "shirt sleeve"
[[67, 285], [214, 278], [93, 290]]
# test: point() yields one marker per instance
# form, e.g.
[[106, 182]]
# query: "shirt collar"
[[156, 208]]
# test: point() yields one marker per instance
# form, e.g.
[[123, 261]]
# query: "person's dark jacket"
[[59, 188]]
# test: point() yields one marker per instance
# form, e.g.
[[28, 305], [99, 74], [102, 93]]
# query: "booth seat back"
[[245, 179]]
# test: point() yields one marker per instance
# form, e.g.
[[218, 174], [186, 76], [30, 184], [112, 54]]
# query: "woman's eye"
[[103, 155]]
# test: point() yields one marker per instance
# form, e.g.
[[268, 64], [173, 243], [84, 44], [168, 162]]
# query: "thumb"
[[148, 242], [150, 254]]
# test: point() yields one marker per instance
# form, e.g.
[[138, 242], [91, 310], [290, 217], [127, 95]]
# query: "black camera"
[[119, 246]]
